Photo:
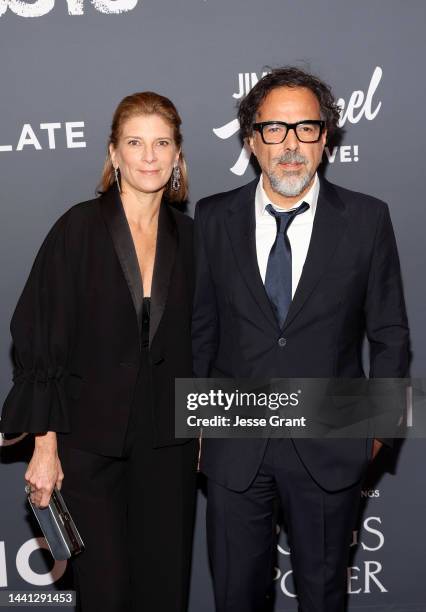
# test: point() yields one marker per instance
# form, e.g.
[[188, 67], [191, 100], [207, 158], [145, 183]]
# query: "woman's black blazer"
[[77, 328]]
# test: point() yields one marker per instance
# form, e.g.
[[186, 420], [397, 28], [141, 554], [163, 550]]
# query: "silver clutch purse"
[[58, 528]]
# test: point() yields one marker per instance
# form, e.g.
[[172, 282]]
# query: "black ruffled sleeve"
[[41, 327]]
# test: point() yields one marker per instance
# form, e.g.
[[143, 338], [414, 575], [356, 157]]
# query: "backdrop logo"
[[75, 7], [45, 136], [23, 565], [370, 493], [360, 105], [363, 578]]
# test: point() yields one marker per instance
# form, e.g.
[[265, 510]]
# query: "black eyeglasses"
[[275, 132]]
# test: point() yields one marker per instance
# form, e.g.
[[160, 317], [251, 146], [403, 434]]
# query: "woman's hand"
[[44, 471]]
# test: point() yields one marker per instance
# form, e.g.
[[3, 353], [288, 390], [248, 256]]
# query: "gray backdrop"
[[64, 66]]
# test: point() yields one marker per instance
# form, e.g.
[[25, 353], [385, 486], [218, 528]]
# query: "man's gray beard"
[[289, 186]]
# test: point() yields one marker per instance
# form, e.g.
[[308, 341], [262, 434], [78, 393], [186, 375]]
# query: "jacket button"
[[282, 342]]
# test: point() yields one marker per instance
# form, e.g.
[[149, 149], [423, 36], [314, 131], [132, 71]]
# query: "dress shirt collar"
[[262, 200]]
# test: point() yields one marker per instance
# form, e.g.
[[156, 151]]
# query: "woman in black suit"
[[100, 333]]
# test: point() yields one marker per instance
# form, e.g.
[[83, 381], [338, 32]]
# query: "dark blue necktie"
[[278, 270]]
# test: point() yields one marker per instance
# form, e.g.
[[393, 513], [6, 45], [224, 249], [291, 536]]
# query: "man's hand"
[[44, 471], [377, 445]]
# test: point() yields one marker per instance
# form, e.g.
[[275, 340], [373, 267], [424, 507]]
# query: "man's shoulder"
[[355, 201], [220, 202]]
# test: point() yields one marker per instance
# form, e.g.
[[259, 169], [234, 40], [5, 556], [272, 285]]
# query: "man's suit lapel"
[[165, 255], [328, 230], [241, 228], [118, 227]]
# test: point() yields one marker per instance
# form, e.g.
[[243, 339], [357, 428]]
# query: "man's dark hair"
[[288, 76]]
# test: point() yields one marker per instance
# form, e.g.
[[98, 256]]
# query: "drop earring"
[[176, 178], [117, 179]]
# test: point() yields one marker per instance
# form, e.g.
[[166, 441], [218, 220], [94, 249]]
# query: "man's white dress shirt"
[[299, 233]]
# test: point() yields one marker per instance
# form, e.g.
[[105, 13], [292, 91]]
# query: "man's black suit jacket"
[[77, 328], [350, 287]]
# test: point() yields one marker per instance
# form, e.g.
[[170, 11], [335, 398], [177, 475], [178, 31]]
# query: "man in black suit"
[[292, 273]]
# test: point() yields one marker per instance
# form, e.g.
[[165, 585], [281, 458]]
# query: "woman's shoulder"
[[77, 216], [183, 221], [72, 225], [181, 217], [82, 211]]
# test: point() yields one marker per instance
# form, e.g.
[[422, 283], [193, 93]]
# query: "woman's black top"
[[141, 418], [79, 336]]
